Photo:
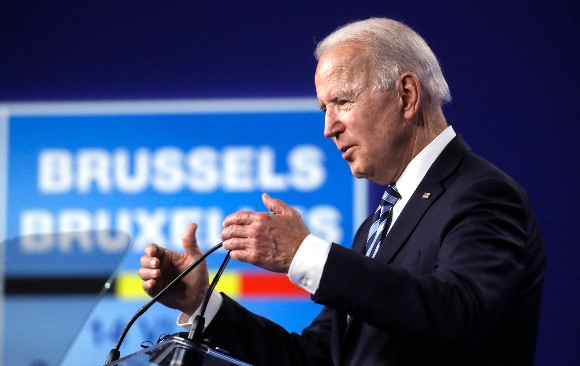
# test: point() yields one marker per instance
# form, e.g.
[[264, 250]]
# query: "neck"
[[429, 124]]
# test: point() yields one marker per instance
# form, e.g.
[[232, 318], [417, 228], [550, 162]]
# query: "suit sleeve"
[[259, 341], [478, 234]]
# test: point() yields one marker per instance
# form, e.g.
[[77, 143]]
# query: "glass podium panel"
[[47, 298]]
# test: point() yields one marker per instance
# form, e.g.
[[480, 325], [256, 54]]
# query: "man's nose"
[[332, 125]]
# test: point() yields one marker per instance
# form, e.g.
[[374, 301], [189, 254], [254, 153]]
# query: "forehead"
[[344, 63]]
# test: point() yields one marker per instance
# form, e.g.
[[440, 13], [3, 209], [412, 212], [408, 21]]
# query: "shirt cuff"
[[213, 305], [308, 263]]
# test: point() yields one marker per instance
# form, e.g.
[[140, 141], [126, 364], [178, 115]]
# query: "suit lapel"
[[346, 333], [416, 207]]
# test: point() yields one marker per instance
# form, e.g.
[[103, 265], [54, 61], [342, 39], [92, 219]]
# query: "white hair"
[[394, 49]]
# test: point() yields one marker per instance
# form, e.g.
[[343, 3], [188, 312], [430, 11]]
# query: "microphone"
[[199, 321], [184, 356]]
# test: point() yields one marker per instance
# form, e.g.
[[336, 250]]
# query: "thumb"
[[275, 205], [189, 240]]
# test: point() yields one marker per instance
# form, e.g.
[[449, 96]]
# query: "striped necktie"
[[381, 219]]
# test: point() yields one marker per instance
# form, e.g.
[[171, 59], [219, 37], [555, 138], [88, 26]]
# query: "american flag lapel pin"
[[426, 195]]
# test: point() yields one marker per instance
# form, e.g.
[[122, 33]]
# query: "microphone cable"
[[199, 322]]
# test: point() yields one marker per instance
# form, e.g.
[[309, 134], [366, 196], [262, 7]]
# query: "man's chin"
[[357, 174], [362, 175]]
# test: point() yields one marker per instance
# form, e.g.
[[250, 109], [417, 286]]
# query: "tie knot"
[[391, 195]]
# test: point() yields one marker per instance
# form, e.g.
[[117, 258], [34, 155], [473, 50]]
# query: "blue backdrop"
[[147, 169], [511, 66]]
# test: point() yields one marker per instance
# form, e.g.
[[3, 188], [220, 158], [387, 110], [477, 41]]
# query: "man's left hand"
[[266, 240]]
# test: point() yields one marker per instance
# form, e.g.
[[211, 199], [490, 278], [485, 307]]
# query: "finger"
[[275, 205], [240, 255], [239, 218], [155, 251], [189, 241], [148, 274], [151, 250], [149, 262], [236, 244], [233, 231], [149, 286]]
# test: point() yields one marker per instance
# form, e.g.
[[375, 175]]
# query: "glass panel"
[[47, 300]]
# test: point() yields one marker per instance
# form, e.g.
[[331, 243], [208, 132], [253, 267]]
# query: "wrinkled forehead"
[[344, 64]]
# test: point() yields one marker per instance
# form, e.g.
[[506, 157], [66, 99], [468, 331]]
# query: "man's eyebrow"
[[333, 100], [340, 94]]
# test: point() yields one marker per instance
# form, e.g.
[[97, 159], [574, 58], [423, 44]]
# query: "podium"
[[171, 352]]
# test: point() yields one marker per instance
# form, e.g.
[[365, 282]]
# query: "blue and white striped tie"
[[380, 220]]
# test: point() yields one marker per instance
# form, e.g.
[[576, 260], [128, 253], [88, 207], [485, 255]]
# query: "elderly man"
[[448, 271]]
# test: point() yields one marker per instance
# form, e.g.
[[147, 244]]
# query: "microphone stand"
[[185, 356], [197, 327]]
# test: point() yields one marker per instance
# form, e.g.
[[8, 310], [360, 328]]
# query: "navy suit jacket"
[[457, 281]]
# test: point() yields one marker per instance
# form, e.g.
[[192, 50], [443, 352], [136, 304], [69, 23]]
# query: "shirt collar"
[[418, 167]]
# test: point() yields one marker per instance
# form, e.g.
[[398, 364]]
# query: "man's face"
[[366, 125]]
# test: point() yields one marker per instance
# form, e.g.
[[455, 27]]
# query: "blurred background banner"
[[151, 171], [102, 93], [148, 169]]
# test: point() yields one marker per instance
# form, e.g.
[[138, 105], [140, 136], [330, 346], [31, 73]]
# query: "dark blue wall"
[[511, 66]]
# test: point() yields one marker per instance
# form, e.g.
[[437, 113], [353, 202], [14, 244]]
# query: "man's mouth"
[[345, 151]]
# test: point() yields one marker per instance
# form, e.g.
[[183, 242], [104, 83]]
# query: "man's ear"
[[409, 89]]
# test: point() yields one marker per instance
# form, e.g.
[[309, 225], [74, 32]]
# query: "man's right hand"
[[160, 266]]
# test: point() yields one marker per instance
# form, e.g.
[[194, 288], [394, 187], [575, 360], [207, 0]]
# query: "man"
[[448, 272]]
